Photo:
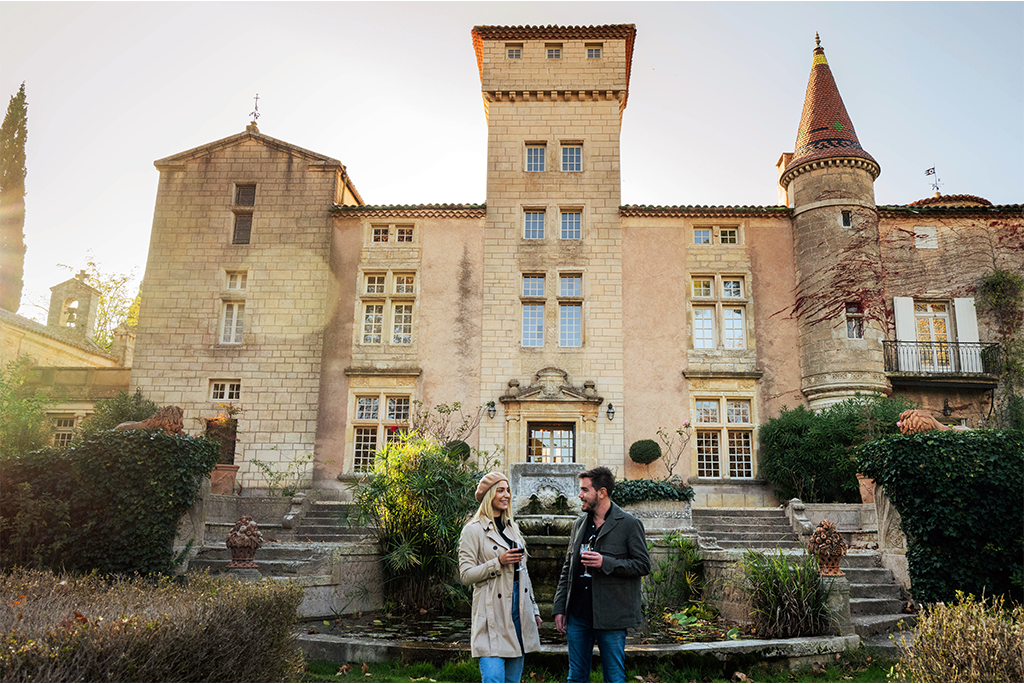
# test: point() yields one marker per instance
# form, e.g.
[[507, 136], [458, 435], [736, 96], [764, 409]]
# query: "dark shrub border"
[[959, 495], [634, 491], [111, 503]]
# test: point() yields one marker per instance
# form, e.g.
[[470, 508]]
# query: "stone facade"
[[585, 324]]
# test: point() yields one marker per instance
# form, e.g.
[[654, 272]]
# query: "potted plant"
[[828, 545], [224, 430]]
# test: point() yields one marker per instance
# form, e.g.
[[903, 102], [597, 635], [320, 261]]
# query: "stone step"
[[860, 559], [753, 536], [308, 528], [730, 527], [875, 606], [267, 568], [867, 575], [759, 545], [740, 512], [877, 591], [871, 625]]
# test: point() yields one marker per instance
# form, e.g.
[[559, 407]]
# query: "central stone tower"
[[552, 283], [840, 307]]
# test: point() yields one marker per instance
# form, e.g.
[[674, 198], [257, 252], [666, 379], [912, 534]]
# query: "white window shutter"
[[907, 353], [967, 335]]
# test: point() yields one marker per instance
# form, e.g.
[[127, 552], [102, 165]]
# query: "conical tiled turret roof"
[[826, 131]]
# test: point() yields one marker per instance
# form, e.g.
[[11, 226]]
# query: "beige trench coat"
[[493, 632]]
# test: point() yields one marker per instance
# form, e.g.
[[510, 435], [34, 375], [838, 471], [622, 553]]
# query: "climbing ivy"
[[959, 499], [1001, 293], [110, 503]]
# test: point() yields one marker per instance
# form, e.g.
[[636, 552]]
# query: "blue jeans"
[[611, 643], [494, 669]]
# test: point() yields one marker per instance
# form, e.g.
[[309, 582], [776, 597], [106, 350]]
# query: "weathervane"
[[255, 113], [935, 183]]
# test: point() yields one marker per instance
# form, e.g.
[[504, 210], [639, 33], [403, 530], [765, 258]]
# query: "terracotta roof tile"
[[413, 210], [951, 201], [700, 211], [826, 130], [1015, 211]]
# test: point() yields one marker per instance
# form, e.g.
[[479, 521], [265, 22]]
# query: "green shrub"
[[63, 628], [959, 499], [676, 582], [24, 425], [808, 455], [634, 491], [417, 502], [966, 641], [785, 595], [109, 413], [645, 452], [111, 503]]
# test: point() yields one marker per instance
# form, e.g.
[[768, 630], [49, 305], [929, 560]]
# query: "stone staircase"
[[746, 528], [877, 601], [328, 521]]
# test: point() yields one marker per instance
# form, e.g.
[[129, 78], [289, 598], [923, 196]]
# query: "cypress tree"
[[12, 201]]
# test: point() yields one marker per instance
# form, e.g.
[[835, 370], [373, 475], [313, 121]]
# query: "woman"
[[492, 560]]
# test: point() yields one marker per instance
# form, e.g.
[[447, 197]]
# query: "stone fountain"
[[545, 502]]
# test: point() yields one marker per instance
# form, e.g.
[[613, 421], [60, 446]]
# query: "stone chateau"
[[587, 325]]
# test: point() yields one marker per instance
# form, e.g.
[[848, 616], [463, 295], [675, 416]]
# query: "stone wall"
[[180, 351]]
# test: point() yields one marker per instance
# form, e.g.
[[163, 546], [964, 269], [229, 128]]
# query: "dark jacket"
[[616, 585]]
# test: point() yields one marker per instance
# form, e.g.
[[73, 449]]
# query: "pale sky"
[[391, 89]]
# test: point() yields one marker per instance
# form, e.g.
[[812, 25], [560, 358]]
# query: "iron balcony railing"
[[941, 358]]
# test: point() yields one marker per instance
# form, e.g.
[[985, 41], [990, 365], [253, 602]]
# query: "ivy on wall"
[[959, 499], [110, 503]]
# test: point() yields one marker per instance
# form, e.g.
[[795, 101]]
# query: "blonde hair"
[[485, 512]]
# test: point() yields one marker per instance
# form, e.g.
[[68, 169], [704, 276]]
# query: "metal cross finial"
[[817, 40], [255, 113]]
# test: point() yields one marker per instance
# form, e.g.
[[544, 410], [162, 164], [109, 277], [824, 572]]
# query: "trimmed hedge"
[[959, 496], [63, 628], [634, 491], [111, 503]]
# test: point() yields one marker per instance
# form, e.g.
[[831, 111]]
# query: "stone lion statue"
[[170, 419], [913, 421]]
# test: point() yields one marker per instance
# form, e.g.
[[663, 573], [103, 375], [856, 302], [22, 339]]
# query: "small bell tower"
[[73, 306]]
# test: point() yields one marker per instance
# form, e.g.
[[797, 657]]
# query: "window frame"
[[237, 323], [536, 157], [854, 313], [534, 220], [594, 50], [225, 389], [572, 156], [551, 428], [63, 435], [574, 229], [719, 319], [375, 426], [513, 50], [241, 229], [553, 50], [532, 321], [724, 446]]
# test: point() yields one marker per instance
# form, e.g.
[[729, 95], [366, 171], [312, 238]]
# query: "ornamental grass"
[[62, 628], [969, 640], [785, 596]]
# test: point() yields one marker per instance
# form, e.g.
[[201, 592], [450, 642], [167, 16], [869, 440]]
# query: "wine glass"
[[584, 547]]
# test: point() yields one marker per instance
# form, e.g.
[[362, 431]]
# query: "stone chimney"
[[124, 345]]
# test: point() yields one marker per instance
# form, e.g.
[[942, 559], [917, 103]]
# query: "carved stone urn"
[[828, 545], [243, 540]]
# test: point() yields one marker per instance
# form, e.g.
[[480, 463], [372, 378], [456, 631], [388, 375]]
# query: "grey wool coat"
[[493, 632], [616, 585]]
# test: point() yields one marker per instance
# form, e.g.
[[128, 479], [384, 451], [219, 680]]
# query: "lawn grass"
[[852, 666]]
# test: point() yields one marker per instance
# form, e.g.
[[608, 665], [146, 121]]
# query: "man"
[[600, 608]]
